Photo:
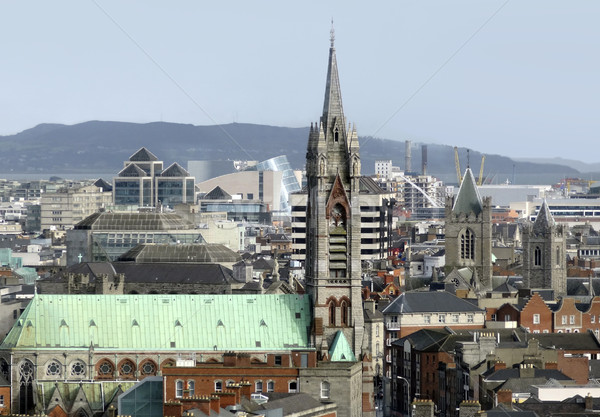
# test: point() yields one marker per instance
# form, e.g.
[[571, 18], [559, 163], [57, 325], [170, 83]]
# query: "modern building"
[[143, 183], [106, 236], [65, 208]]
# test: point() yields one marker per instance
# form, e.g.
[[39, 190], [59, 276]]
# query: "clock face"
[[337, 215], [455, 281]]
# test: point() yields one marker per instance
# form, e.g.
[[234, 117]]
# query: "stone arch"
[[148, 367], [167, 362], [76, 368], [344, 311], [105, 369], [26, 371], [126, 369], [466, 247], [53, 368], [537, 256]]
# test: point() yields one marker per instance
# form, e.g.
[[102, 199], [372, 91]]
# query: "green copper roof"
[[163, 322], [340, 349], [468, 200]]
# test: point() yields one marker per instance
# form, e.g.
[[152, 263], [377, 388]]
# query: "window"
[[218, 386], [494, 318], [470, 318], [572, 319], [277, 360], [1, 400], [191, 388], [148, 368], [536, 319], [563, 319], [292, 387], [126, 369], [593, 319], [271, 386], [537, 256], [467, 245], [344, 312], [507, 317], [427, 318], [53, 368], [106, 368], [178, 389], [324, 390], [77, 368], [442, 318], [258, 386], [331, 313], [557, 255], [455, 318]]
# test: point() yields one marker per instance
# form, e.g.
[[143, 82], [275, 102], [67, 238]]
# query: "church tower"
[[544, 253], [468, 220], [333, 264]]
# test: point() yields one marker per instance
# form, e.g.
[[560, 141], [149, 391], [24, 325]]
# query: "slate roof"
[[544, 219], [290, 403], [468, 199], [134, 221], [189, 252], [163, 323], [431, 301], [568, 341], [143, 155], [103, 184], [367, 185], [175, 170], [509, 373]]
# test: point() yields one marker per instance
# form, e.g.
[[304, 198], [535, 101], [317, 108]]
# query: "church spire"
[[544, 219], [468, 199], [333, 112]]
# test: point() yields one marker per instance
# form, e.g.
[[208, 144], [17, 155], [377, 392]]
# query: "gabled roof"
[[132, 170], [217, 193], [429, 301], [103, 184], [175, 170], [143, 155], [163, 323], [468, 199], [340, 350], [188, 253]]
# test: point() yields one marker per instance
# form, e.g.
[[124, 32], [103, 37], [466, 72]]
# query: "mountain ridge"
[[102, 146]]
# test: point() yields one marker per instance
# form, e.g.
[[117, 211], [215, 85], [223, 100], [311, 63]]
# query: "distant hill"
[[98, 146]]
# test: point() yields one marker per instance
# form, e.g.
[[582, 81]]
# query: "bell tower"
[[333, 264]]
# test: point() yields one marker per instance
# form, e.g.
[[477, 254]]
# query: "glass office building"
[[289, 183]]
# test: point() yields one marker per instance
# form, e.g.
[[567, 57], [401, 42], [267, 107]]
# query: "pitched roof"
[[333, 110], [134, 221], [103, 184], [429, 301], [217, 193], [175, 170], [132, 170], [163, 322], [188, 253], [340, 350], [468, 199], [143, 155]]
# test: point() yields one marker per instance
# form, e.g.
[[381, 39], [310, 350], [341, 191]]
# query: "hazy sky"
[[516, 78]]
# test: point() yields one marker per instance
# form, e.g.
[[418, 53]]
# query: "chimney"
[[504, 396], [215, 404], [246, 389], [551, 365], [469, 408], [227, 398], [499, 365], [589, 403], [526, 370], [203, 404], [369, 305], [424, 159], [422, 408], [407, 158]]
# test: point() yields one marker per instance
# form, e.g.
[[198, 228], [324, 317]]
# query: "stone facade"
[[469, 233], [544, 253]]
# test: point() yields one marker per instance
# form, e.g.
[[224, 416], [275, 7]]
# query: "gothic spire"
[[332, 107], [544, 219], [468, 199]]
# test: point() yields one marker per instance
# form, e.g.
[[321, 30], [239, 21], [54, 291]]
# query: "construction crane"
[[457, 163], [480, 179]]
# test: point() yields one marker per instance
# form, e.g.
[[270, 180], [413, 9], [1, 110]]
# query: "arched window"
[[191, 388], [467, 244], [332, 313], [537, 256], [258, 386], [4, 369], [126, 369], [336, 134], [178, 389], [105, 369], [271, 386], [53, 368], [148, 368], [293, 386], [558, 255], [344, 313], [218, 386], [325, 390]]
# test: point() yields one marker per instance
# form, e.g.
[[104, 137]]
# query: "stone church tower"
[[468, 220], [333, 264], [544, 253]]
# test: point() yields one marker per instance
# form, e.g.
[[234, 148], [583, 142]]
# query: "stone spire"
[[544, 220], [468, 199], [333, 112]]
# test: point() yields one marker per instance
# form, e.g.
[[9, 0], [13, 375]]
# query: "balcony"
[[392, 325]]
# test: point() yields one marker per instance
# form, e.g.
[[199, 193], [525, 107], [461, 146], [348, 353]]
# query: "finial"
[[332, 34]]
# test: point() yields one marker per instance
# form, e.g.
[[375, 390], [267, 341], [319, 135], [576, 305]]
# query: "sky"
[[512, 77]]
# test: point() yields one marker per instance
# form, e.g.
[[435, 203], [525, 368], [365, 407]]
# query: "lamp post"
[[407, 393]]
